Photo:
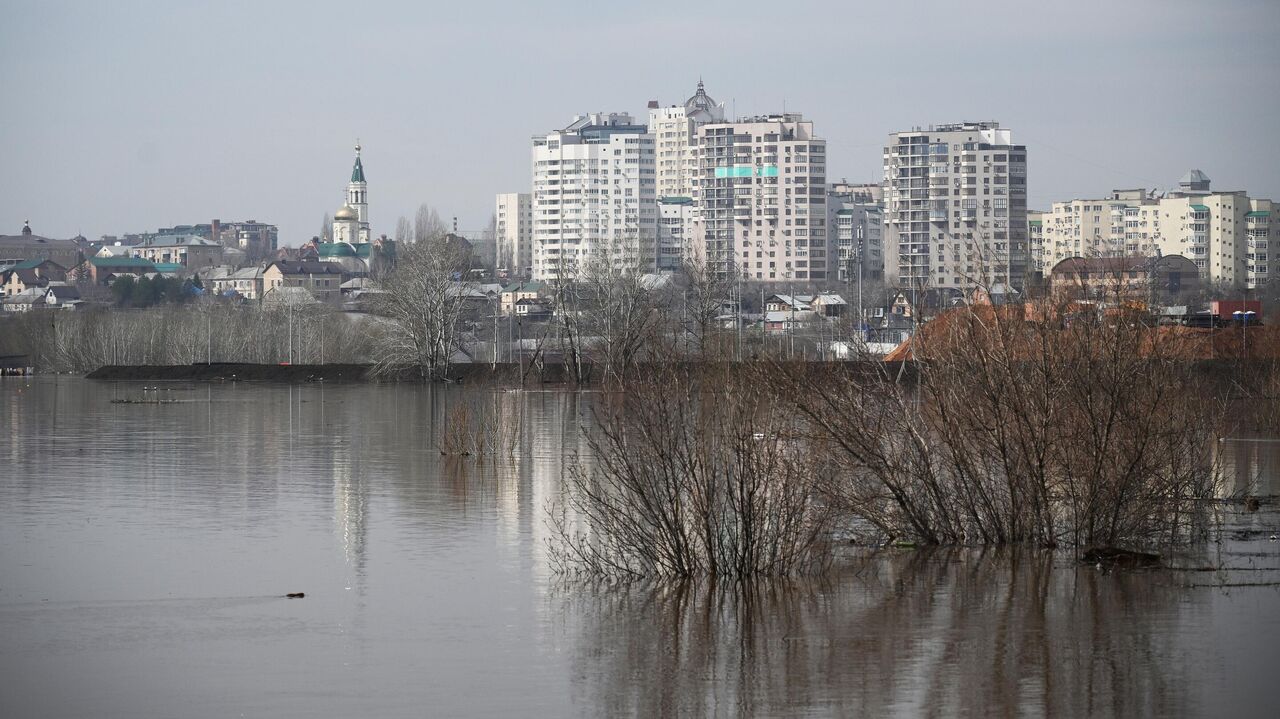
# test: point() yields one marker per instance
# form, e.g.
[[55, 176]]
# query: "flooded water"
[[145, 550]]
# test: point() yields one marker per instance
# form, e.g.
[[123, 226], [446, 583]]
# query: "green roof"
[[336, 249], [1258, 213], [30, 264], [357, 172], [169, 267], [364, 249], [1200, 208], [121, 262]]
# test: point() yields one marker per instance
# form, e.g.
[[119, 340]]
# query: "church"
[[351, 221], [353, 247]]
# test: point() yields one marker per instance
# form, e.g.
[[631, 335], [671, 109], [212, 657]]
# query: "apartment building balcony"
[[937, 215]]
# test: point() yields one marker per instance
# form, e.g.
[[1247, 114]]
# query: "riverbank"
[[295, 373], [1228, 371]]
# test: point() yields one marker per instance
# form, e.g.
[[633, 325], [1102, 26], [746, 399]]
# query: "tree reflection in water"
[[942, 633]]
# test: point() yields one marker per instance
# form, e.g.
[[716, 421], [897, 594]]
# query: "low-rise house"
[[513, 293], [117, 249], [24, 301], [29, 273], [322, 279], [224, 282], [781, 321], [829, 305], [533, 308], [102, 270], [788, 303], [61, 295], [192, 252]]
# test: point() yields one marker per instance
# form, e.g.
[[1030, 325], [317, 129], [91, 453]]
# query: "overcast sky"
[[128, 116]]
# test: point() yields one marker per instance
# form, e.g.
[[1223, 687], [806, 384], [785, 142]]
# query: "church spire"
[[357, 171]]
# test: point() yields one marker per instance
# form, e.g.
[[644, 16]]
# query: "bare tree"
[[404, 231], [627, 312], [326, 228], [427, 224], [422, 302], [705, 293]]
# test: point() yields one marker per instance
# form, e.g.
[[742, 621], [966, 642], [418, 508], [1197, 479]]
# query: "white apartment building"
[[1036, 264], [513, 232], [675, 223], [955, 206], [1226, 234], [1107, 227], [675, 133], [594, 196], [762, 198], [854, 225]]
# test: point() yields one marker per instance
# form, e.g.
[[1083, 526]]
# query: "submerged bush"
[[693, 472], [1023, 427]]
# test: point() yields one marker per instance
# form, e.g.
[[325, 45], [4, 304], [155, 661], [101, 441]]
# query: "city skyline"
[[260, 124]]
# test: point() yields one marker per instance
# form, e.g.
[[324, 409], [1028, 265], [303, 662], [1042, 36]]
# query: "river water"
[[145, 550]]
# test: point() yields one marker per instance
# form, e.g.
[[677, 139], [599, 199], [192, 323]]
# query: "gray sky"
[[127, 116]]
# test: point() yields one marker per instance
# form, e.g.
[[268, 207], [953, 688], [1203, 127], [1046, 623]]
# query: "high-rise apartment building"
[[854, 225], [675, 136], [675, 222], [1107, 227], [1226, 234], [762, 198], [513, 232], [955, 206], [594, 196], [675, 133]]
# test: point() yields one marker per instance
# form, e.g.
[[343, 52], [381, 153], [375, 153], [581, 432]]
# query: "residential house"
[[103, 270], [829, 305], [533, 308], [25, 301], [225, 282], [788, 303], [322, 279], [61, 296], [192, 252], [513, 293], [29, 273]]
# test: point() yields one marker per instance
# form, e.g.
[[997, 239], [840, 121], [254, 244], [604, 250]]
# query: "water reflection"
[[942, 634]]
